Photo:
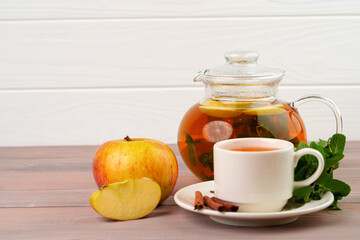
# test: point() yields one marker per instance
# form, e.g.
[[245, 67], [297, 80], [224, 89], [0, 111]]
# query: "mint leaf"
[[206, 178], [324, 177], [304, 164], [318, 192], [323, 143], [313, 160], [337, 143], [331, 162], [335, 206], [318, 147], [300, 171], [303, 194], [191, 149], [301, 146], [332, 151], [206, 159], [262, 131], [337, 165], [337, 187], [311, 170]]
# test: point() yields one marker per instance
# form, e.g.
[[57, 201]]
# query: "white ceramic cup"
[[259, 181]]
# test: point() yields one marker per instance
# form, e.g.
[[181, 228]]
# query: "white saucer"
[[185, 198]]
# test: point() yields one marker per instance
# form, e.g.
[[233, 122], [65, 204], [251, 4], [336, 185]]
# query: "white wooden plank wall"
[[77, 72]]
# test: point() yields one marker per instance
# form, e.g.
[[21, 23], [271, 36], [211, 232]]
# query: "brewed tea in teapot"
[[240, 101]]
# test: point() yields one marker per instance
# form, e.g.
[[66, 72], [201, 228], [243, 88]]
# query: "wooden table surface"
[[44, 194]]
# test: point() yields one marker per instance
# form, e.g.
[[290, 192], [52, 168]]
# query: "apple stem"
[[127, 138]]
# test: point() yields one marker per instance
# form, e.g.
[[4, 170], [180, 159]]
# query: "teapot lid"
[[242, 67]]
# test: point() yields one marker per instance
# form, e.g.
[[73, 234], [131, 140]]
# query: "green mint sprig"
[[332, 151]]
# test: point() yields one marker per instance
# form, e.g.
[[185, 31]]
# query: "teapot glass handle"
[[331, 104]]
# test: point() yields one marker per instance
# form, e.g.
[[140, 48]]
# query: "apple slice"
[[131, 199]]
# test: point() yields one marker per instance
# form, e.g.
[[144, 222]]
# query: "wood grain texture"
[[55, 179], [58, 194], [75, 9], [57, 176], [91, 117], [169, 52], [167, 222], [40, 204]]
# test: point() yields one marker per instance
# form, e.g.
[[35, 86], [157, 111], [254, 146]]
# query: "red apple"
[[119, 160]]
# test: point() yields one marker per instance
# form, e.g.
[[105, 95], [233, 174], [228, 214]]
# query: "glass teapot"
[[240, 101]]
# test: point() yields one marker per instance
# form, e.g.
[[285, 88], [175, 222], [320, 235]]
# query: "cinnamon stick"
[[199, 200], [228, 206], [213, 205]]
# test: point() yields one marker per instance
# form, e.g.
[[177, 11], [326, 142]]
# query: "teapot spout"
[[199, 76]]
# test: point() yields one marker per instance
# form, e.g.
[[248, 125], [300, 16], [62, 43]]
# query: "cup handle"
[[331, 104], [320, 168]]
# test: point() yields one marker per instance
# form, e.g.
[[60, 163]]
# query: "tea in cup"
[[258, 173]]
